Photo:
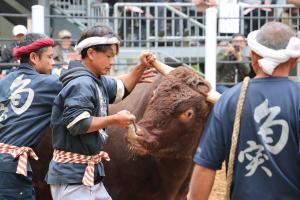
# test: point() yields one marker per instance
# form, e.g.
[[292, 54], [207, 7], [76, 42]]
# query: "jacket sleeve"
[[115, 89], [79, 103]]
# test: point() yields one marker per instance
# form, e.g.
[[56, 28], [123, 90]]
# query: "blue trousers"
[[16, 187]]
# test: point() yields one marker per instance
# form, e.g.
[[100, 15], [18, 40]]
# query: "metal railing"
[[158, 24], [101, 13], [253, 17], [175, 30]]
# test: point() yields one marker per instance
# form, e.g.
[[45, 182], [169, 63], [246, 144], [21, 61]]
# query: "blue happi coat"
[[267, 161], [82, 97], [26, 99]]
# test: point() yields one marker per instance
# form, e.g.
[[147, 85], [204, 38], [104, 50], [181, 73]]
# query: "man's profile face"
[[45, 61], [104, 60]]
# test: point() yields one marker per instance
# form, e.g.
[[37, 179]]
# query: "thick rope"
[[235, 136]]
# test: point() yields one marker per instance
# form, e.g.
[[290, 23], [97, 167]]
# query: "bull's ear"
[[213, 96], [186, 116]]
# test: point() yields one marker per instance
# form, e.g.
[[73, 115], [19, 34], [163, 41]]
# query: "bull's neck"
[[175, 174]]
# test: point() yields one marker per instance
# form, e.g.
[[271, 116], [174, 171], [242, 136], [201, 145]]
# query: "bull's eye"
[[186, 116]]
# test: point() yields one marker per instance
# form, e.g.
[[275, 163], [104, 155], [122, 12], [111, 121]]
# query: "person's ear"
[[90, 53], [254, 57], [33, 58], [254, 61], [293, 62]]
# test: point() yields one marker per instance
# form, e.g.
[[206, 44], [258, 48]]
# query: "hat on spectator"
[[19, 29], [64, 34]]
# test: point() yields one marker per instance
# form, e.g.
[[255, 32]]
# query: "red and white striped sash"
[[19, 152], [69, 157]]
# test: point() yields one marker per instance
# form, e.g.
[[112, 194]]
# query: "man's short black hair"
[[100, 31]]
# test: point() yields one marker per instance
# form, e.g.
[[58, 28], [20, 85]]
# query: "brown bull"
[[153, 161]]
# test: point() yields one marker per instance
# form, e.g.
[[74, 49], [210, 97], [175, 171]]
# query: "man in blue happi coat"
[[267, 160], [80, 116], [26, 97]]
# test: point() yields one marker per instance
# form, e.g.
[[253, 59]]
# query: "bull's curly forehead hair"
[[175, 90], [188, 77]]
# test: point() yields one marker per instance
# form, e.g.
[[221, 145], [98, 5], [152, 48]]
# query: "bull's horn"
[[162, 68], [213, 96]]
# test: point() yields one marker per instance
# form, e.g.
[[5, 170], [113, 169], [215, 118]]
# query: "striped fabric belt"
[[19, 152], [69, 157]]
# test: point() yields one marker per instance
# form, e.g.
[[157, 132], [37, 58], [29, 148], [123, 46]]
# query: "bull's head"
[[174, 118]]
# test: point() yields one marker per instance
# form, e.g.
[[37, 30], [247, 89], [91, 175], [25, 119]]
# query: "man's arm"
[[121, 119], [78, 111], [132, 78], [201, 183]]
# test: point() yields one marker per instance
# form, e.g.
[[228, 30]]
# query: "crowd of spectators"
[[253, 19]]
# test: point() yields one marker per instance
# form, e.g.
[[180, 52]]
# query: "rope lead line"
[[235, 136]]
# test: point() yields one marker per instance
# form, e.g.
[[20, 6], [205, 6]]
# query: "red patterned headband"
[[19, 51]]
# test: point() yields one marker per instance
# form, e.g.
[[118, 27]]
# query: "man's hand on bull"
[[124, 118], [147, 75], [147, 58]]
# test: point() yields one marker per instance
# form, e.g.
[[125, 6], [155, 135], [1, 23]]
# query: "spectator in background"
[[295, 12], [162, 12], [202, 5], [19, 32], [64, 52], [199, 13], [232, 73], [295, 2], [254, 18]]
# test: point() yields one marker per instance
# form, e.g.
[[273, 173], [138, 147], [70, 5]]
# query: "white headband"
[[91, 41], [272, 58]]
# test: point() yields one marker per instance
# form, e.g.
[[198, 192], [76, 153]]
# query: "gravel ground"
[[218, 190]]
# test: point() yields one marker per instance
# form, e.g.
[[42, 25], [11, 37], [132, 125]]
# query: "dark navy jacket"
[[267, 161], [26, 99], [82, 97]]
